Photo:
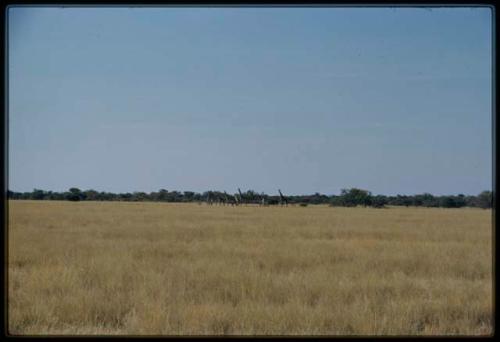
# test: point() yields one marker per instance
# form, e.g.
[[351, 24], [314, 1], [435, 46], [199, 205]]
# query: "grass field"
[[167, 269]]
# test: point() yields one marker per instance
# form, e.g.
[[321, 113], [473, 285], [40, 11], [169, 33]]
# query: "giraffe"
[[218, 199], [283, 199], [241, 196], [209, 200], [226, 199]]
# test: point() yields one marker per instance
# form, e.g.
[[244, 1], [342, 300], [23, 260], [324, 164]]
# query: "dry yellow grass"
[[169, 269]]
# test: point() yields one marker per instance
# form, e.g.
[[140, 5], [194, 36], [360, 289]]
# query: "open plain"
[[191, 269]]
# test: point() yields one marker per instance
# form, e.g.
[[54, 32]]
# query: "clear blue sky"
[[392, 100]]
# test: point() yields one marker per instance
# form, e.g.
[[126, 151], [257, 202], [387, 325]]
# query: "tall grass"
[[168, 269]]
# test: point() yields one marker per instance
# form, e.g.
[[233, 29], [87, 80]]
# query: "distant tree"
[[74, 195], [273, 200], [139, 196], [56, 196], [417, 200], [447, 202], [354, 197], [404, 200], [317, 198], [14, 195], [485, 200], [126, 196], [460, 201], [248, 197], [91, 195], [175, 196], [38, 194], [471, 201], [188, 196], [429, 200], [162, 195], [336, 201], [379, 201]]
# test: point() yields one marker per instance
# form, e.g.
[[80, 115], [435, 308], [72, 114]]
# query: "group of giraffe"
[[235, 200]]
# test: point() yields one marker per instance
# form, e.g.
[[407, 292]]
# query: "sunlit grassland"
[[168, 269]]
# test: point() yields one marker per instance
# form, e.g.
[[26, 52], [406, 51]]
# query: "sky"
[[302, 99]]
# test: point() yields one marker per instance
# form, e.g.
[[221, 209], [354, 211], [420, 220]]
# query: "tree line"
[[347, 198]]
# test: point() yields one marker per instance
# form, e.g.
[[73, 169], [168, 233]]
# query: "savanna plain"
[[99, 268]]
